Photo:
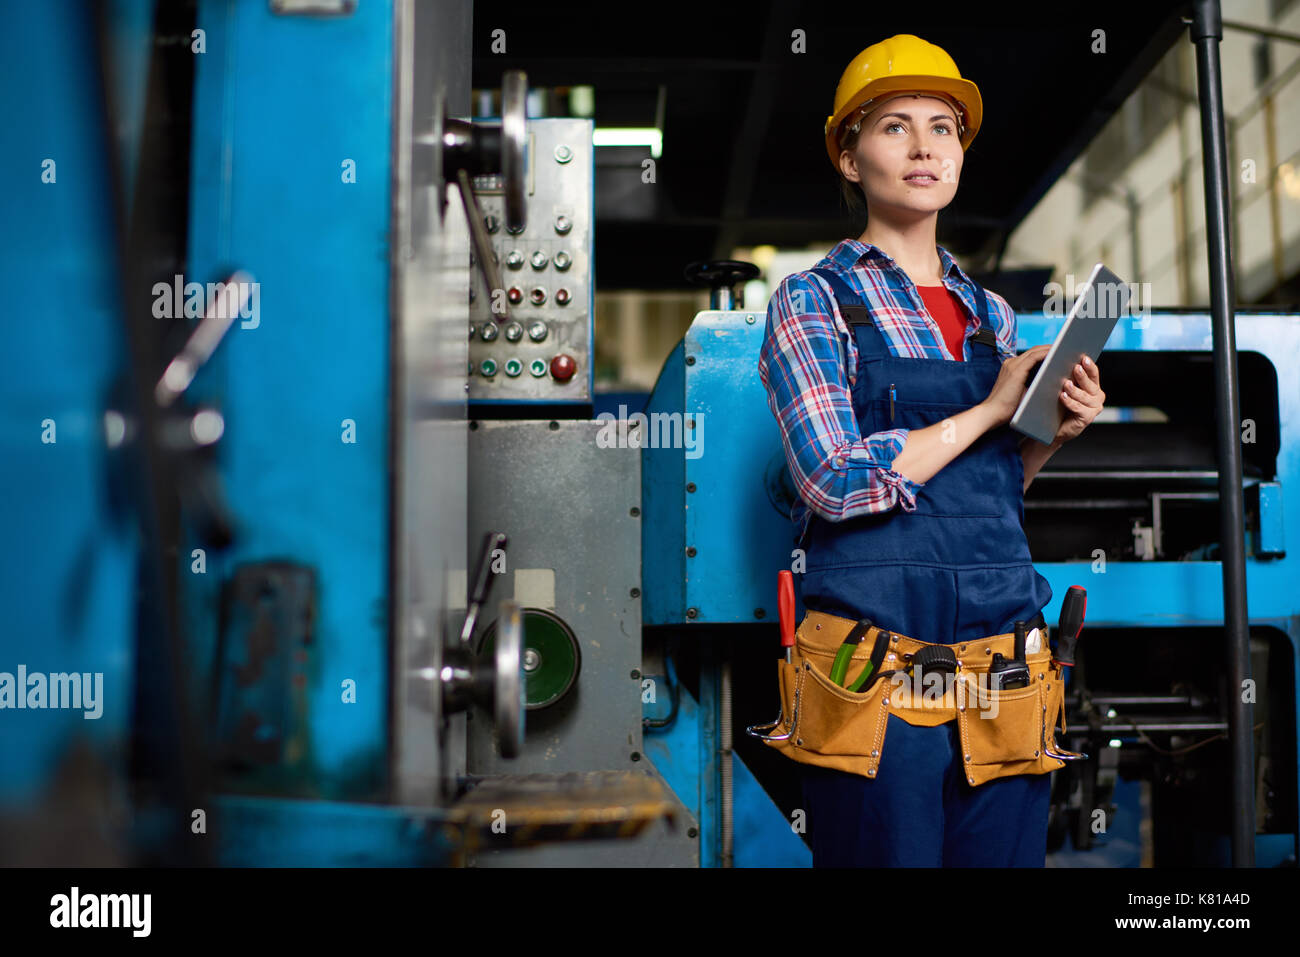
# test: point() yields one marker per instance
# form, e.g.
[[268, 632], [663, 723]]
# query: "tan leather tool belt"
[[1002, 732]]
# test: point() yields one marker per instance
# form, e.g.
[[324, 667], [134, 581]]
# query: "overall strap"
[[852, 308], [984, 335], [856, 312]]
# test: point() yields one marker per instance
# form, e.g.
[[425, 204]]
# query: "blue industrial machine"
[[261, 538], [346, 585]]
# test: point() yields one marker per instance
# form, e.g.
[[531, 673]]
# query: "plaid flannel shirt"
[[808, 364]]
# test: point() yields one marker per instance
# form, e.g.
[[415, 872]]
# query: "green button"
[[537, 367], [514, 367], [488, 367]]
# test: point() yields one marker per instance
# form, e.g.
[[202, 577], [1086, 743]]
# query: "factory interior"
[[358, 448]]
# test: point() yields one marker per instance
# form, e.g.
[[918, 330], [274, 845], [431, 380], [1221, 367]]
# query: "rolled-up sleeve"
[[1005, 325], [838, 472]]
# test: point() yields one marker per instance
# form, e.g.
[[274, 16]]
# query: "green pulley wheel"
[[552, 657]]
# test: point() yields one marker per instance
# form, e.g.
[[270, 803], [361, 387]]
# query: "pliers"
[[840, 667]]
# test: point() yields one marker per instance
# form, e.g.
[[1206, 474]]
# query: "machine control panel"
[[541, 352]]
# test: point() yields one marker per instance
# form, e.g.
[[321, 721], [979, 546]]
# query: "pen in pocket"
[[891, 402]]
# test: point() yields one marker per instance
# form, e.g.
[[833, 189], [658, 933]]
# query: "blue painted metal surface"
[[1272, 521], [266, 832], [764, 838], [663, 500], [281, 105], [68, 590], [677, 750]]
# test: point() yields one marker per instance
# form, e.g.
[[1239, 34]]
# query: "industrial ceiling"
[[743, 159]]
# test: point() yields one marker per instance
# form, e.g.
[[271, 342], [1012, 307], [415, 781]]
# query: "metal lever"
[[203, 341], [185, 432], [481, 585], [482, 246]]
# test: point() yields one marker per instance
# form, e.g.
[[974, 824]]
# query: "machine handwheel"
[[508, 704], [514, 143]]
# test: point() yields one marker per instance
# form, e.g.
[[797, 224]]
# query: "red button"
[[562, 368]]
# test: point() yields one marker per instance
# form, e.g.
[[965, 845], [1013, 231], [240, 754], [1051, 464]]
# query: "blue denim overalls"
[[956, 569]]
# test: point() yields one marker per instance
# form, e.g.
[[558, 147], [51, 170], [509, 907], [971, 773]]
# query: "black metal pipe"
[[1206, 32]]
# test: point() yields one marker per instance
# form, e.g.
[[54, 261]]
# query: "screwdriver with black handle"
[[1071, 624], [1006, 674]]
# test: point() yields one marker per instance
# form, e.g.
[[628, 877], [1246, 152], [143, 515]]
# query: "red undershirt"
[[945, 308]]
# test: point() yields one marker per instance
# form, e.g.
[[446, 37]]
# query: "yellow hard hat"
[[902, 64]]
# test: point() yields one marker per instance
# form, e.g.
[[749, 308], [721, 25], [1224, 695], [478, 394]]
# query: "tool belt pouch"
[[825, 724], [1011, 732], [1002, 733]]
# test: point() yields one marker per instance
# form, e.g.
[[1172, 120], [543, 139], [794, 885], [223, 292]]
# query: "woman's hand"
[[1082, 399], [1004, 398]]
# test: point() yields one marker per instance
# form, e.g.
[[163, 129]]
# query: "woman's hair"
[[852, 193]]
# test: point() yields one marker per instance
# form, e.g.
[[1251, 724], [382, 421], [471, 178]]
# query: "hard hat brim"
[[965, 92]]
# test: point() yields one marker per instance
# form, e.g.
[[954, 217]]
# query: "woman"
[[893, 376]]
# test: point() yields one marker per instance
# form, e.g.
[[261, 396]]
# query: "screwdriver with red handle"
[[785, 604], [1071, 624]]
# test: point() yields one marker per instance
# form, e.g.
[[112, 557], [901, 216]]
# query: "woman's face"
[[899, 139]]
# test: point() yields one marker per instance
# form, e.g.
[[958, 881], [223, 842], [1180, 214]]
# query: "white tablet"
[[1102, 300]]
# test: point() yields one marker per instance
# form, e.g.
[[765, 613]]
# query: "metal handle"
[[755, 730], [203, 341], [482, 245]]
